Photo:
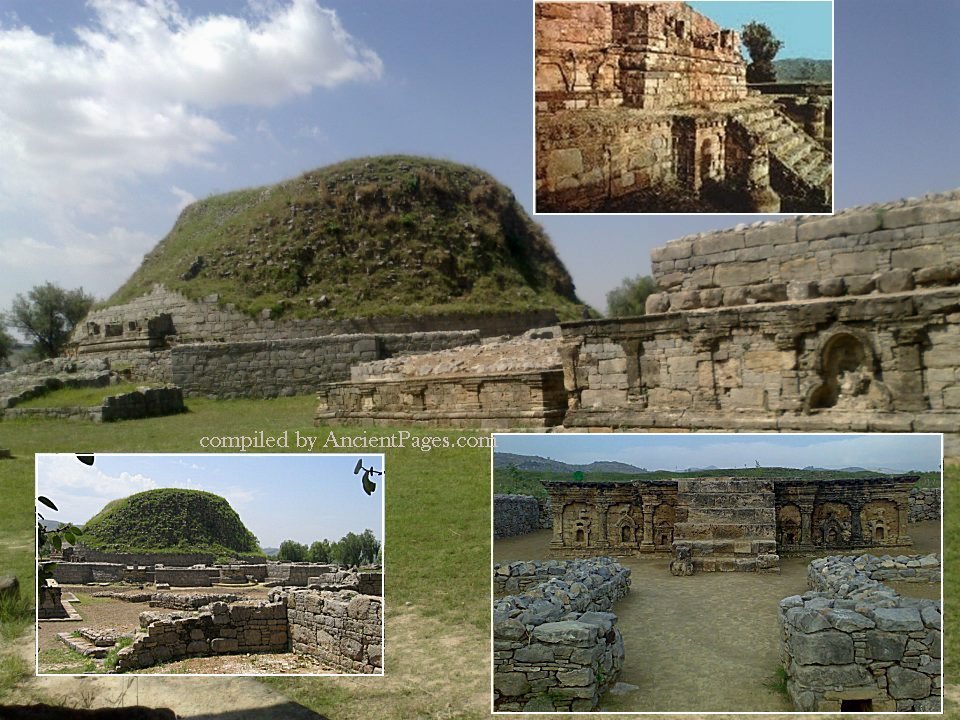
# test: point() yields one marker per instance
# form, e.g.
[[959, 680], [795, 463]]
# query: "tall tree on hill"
[[6, 345], [47, 315], [763, 46]]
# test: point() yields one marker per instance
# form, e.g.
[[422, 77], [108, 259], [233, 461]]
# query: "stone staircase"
[[729, 524], [799, 165]]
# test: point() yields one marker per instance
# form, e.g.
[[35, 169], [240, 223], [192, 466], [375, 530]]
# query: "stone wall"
[[243, 627], [494, 401], [150, 559], [270, 368], [881, 362], [854, 644], [206, 320], [186, 576], [882, 248], [172, 601], [141, 403], [342, 629], [515, 515], [556, 647], [74, 573], [925, 504], [297, 573]]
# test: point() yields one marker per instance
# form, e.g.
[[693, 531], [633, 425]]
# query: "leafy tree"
[[630, 297], [6, 345], [369, 547], [48, 314], [320, 551], [292, 551], [48, 540], [763, 46]]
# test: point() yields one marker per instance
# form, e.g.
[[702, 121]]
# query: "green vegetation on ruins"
[[170, 520], [513, 481], [77, 397], [378, 236]]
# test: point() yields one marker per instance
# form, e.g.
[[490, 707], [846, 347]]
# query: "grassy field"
[[77, 397], [437, 552]]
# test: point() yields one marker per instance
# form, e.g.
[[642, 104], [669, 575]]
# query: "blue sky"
[[278, 497], [804, 28], [898, 453], [113, 115]]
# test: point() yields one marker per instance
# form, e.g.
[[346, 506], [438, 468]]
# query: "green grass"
[[110, 661], [426, 236], [13, 670], [77, 397], [16, 614], [71, 661], [530, 482]]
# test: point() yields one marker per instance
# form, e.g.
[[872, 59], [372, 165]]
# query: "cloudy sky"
[[896, 453], [278, 497], [114, 114]]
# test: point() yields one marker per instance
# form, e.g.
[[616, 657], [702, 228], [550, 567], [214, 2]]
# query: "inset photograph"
[[717, 573], [210, 564], [723, 106]]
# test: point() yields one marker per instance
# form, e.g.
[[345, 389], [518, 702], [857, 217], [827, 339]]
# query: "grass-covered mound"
[[170, 520], [379, 236]]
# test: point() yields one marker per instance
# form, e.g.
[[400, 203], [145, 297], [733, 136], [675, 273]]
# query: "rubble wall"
[[855, 644], [925, 504], [515, 515], [564, 651]]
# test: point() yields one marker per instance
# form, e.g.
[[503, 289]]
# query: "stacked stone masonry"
[[855, 644], [634, 95], [520, 514], [556, 645], [243, 627], [925, 504], [342, 629], [728, 524], [882, 248]]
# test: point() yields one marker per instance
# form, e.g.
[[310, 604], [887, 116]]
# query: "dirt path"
[[706, 643]]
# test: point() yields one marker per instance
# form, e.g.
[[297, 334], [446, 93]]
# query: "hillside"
[[537, 463], [376, 236], [170, 520], [803, 70]]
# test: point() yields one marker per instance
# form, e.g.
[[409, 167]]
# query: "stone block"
[[830, 676], [892, 281], [898, 619], [802, 290], [919, 256], [903, 683], [685, 300], [223, 645], [827, 647], [566, 632], [657, 303], [534, 654], [831, 287], [563, 163], [581, 677], [736, 274], [510, 684], [849, 620]]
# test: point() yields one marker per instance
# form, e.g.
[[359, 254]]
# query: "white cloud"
[[184, 197], [80, 491], [131, 95]]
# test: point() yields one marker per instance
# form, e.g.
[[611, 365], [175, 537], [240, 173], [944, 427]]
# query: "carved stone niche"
[[849, 374]]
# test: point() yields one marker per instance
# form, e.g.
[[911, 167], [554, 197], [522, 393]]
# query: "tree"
[[48, 314], [320, 551], [630, 297], [292, 551], [369, 547], [7, 344], [763, 47]]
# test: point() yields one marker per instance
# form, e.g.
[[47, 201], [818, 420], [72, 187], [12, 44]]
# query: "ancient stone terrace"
[[727, 524]]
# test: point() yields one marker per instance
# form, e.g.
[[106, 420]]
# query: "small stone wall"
[[371, 583], [342, 629], [855, 644], [76, 573], [50, 604], [145, 402], [515, 515], [150, 559], [186, 577], [495, 401], [270, 368], [925, 504], [172, 601], [556, 648], [298, 574], [244, 627], [256, 571]]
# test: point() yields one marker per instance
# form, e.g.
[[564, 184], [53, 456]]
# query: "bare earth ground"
[[706, 643], [109, 613]]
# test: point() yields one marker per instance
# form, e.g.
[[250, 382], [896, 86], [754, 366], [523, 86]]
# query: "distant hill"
[[803, 70], [535, 463]]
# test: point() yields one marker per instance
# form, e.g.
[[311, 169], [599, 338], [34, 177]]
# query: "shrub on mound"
[[170, 520]]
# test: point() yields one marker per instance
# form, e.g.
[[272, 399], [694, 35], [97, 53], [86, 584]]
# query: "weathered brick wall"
[[146, 402], [244, 627], [925, 504], [296, 573], [342, 629], [556, 648], [883, 248], [855, 640], [87, 572]]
